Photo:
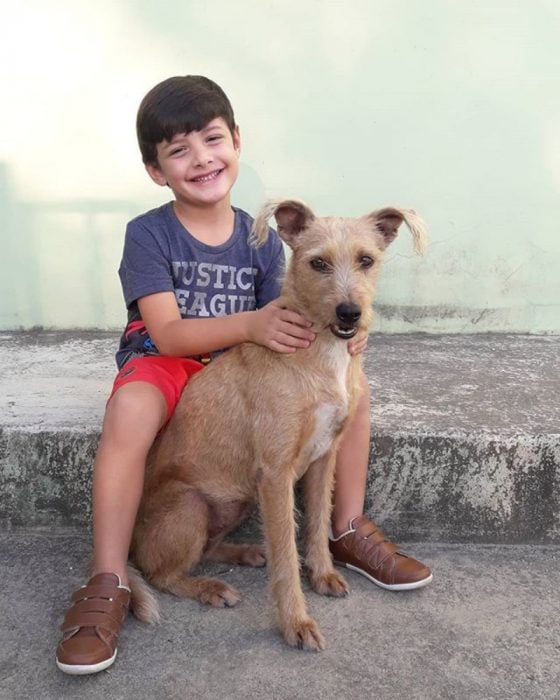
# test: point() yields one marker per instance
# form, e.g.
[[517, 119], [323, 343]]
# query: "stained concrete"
[[465, 444], [485, 628]]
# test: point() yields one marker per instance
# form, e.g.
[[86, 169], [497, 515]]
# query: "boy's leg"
[[352, 466], [357, 543], [133, 417]]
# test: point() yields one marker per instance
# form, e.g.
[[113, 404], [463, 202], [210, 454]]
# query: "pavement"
[[486, 627], [464, 468]]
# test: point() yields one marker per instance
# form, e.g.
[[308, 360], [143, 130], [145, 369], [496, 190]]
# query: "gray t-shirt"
[[160, 255]]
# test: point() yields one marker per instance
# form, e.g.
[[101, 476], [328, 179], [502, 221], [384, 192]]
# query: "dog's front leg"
[[317, 489], [276, 494]]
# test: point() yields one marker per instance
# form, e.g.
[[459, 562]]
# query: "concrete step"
[[465, 442]]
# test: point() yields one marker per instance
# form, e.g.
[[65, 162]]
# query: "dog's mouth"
[[342, 331]]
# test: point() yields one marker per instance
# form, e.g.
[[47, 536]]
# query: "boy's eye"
[[320, 265], [177, 151]]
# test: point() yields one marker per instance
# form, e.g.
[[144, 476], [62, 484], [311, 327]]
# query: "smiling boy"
[[193, 286]]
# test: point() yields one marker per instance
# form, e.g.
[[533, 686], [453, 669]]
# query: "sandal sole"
[[82, 670], [389, 587]]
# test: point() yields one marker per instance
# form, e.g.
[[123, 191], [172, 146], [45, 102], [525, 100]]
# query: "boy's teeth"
[[205, 178]]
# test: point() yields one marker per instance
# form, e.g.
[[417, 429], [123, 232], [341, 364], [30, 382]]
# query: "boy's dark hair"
[[176, 106]]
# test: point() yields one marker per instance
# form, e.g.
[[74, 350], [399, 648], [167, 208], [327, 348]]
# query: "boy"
[[193, 286]]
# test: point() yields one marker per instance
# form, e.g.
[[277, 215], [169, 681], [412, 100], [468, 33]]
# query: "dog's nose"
[[348, 313]]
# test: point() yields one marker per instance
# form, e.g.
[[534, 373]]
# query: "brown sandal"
[[91, 626], [366, 550]]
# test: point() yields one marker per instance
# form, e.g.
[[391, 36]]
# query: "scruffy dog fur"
[[255, 421]]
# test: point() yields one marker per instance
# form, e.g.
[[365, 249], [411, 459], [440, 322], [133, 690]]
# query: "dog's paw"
[[331, 583], [305, 634], [218, 594], [253, 555]]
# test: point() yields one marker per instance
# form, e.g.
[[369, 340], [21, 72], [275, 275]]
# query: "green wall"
[[449, 107]]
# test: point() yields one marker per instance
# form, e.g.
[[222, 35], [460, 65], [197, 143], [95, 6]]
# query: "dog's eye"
[[366, 261], [319, 265]]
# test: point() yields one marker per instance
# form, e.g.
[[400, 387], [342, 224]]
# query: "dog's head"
[[335, 262]]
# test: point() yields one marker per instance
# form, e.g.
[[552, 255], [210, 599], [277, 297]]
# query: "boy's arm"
[[273, 326]]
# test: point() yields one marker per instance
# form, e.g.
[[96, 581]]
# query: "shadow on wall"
[[59, 260]]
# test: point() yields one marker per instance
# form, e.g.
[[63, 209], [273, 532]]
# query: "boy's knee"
[[137, 401]]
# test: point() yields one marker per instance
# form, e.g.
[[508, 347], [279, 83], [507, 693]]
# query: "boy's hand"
[[279, 329], [358, 343]]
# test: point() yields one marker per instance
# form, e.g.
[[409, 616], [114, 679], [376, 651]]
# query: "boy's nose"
[[202, 156]]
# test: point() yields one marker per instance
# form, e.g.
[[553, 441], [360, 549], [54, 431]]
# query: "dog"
[[255, 421]]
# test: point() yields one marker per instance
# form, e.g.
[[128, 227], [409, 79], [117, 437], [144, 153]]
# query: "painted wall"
[[452, 108]]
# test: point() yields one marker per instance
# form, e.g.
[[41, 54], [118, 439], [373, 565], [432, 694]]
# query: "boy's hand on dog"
[[358, 343], [279, 329]]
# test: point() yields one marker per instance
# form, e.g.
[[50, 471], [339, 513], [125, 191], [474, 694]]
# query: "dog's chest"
[[330, 414], [328, 421]]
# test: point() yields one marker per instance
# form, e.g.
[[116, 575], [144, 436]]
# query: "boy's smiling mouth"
[[208, 177]]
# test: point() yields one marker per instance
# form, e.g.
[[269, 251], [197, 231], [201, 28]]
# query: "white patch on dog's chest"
[[328, 418], [339, 360]]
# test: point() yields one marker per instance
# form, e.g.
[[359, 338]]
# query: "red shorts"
[[169, 374]]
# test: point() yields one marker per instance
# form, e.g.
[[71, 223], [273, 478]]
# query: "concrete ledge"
[[465, 444], [46, 477], [466, 488]]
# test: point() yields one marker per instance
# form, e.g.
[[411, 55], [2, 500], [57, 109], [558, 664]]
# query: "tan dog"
[[255, 421]]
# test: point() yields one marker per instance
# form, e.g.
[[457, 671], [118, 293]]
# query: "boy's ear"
[[237, 140], [155, 173], [292, 216], [386, 223]]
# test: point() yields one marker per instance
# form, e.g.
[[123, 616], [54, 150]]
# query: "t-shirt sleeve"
[[270, 286], [145, 268]]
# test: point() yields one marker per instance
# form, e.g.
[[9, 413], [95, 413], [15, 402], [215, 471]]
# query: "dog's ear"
[[291, 215], [386, 223]]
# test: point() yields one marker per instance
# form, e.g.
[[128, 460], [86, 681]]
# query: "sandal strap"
[[97, 620], [379, 547], [97, 605], [101, 591]]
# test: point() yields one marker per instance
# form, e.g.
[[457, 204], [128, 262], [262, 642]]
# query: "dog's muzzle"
[[347, 315]]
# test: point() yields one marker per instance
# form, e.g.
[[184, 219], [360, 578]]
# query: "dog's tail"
[[143, 603]]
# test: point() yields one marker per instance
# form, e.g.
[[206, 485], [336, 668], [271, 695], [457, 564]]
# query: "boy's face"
[[201, 166]]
